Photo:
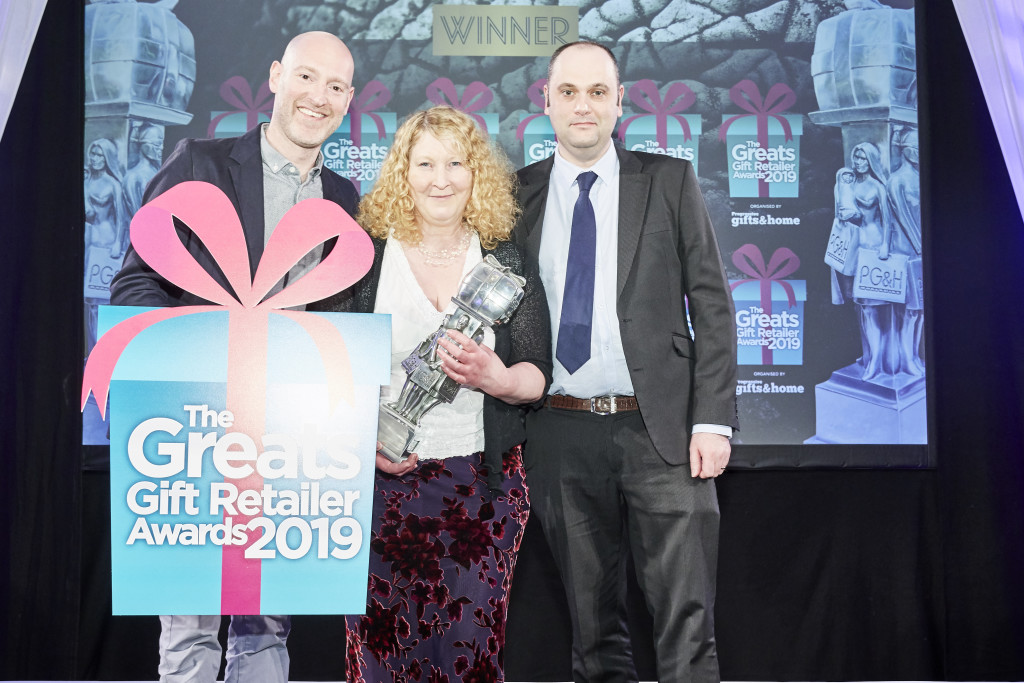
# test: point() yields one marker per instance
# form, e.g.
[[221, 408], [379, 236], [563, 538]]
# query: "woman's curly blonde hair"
[[491, 211]]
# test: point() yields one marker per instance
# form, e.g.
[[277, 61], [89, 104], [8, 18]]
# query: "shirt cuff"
[[724, 430]]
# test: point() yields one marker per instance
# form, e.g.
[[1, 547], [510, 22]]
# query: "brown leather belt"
[[602, 405]]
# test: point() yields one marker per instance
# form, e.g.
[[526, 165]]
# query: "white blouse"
[[447, 429]]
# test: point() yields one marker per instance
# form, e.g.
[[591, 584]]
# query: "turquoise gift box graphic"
[[357, 148], [641, 136], [475, 97], [762, 146], [232, 124], [534, 130], [538, 138], [769, 307], [250, 109], [243, 431], [359, 158], [772, 335], [662, 128]]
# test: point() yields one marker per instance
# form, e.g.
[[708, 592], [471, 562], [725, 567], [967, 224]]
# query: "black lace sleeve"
[[528, 332]]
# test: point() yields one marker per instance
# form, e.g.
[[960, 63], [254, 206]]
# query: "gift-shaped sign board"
[[242, 434]]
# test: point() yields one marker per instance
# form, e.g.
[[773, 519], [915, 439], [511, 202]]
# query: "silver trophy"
[[487, 296]]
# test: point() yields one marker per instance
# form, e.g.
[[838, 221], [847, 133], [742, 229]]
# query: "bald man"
[[264, 172]]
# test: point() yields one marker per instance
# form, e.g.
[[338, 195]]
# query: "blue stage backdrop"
[[800, 117]]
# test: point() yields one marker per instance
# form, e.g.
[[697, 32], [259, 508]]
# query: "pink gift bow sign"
[[371, 98], [237, 92], [747, 96], [211, 216], [536, 95], [782, 264], [678, 97], [475, 97]]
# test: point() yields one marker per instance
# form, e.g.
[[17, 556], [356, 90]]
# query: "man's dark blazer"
[[667, 250], [235, 165]]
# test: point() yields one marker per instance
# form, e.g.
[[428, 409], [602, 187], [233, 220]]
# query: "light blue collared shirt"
[[283, 188], [606, 373]]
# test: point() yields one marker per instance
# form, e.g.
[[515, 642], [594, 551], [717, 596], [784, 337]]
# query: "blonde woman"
[[448, 521]]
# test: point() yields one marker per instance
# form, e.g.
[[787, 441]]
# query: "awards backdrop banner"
[[800, 118]]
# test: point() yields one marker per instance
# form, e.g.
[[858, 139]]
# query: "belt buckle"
[[602, 405]]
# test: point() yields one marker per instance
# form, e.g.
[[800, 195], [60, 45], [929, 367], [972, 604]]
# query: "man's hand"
[[709, 454], [385, 464]]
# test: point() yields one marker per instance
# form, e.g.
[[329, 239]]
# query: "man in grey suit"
[[623, 455], [264, 173]]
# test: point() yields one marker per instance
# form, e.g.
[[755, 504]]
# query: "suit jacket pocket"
[[683, 345], [656, 226]]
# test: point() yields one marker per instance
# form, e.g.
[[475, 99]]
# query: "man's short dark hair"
[[563, 48]]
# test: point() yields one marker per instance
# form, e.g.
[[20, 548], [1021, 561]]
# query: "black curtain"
[[976, 345], [824, 575], [41, 254]]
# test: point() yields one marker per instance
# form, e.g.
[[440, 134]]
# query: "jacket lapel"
[[247, 178], [634, 188], [533, 197]]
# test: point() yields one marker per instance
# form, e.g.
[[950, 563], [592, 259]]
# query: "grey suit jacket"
[[667, 251], [235, 165]]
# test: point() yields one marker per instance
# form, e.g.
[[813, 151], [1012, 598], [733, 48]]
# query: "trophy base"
[[396, 435], [851, 410]]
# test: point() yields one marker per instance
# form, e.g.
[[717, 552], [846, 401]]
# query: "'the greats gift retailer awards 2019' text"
[[279, 478]]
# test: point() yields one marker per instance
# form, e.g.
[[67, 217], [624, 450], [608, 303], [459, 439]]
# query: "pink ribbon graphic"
[[536, 95], [211, 216], [374, 96], [782, 263], [475, 97], [747, 96], [237, 92], [678, 97]]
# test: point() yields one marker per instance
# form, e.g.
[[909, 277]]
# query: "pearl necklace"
[[444, 257]]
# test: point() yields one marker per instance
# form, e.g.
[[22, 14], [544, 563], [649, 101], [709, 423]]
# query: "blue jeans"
[[257, 652]]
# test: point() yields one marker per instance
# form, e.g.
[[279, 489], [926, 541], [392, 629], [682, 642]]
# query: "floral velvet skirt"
[[441, 561]]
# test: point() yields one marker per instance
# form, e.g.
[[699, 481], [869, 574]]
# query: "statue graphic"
[[139, 64], [841, 252], [875, 245], [864, 4], [106, 214], [150, 140], [847, 211], [903, 192], [862, 202]]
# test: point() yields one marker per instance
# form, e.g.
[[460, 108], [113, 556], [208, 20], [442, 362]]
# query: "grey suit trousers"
[[601, 490]]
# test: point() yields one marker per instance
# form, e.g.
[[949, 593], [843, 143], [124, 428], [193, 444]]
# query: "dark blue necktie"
[[578, 297]]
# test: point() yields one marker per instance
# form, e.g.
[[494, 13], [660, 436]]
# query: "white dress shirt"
[[447, 429]]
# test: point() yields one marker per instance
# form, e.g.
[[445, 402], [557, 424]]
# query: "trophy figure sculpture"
[[487, 296]]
